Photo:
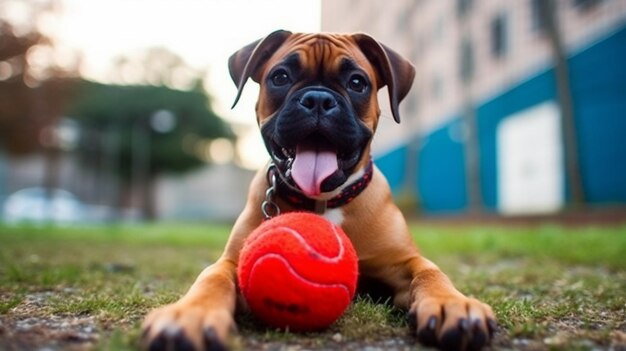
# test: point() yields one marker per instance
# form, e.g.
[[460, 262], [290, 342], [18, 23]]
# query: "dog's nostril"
[[329, 103], [308, 102], [322, 100]]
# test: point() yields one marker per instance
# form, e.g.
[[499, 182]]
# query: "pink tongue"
[[311, 167]]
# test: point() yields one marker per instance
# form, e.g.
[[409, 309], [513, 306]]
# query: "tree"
[[475, 203], [32, 85], [154, 129], [550, 18]]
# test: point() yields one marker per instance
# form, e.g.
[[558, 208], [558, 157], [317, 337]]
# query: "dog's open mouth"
[[315, 165]]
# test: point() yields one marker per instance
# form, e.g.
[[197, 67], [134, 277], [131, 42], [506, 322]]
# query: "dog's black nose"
[[321, 101]]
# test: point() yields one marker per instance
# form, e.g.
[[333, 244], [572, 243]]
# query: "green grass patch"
[[596, 246], [552, 287]]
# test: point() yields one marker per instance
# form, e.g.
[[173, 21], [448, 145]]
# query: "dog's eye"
[[280, 78], [357, 83]]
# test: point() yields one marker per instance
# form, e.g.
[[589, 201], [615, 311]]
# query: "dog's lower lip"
[[280, 153], [287, 153], [349, 160]]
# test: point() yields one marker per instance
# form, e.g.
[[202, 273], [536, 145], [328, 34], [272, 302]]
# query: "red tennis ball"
[[298, 271]]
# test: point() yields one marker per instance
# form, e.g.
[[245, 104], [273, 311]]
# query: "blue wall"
[[598, 82], [441, 170], [441, 178], [393, 165], [598, 79]]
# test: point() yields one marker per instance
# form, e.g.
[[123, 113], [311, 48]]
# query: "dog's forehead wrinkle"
[[319, 51], [348, 65], [292, 60]]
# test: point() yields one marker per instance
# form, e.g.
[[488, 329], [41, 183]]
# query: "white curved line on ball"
[[302, 241], [294, 273]]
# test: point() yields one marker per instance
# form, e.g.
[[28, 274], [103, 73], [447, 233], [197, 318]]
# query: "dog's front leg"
[[202, 318], [441, 315]]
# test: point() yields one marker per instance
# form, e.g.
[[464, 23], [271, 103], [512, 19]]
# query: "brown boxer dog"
[[317, 111]]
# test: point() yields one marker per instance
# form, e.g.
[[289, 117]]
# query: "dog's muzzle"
[[316, 140]]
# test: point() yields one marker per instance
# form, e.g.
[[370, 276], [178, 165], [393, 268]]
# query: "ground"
[[552, 286]]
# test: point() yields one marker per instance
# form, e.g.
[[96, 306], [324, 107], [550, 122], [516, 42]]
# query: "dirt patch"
[[30, 325], [393, 344]]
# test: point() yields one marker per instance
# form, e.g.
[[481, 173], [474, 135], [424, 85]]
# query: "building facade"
[[498, 86]]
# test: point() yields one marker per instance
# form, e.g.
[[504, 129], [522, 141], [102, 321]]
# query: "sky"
[[203, 32]]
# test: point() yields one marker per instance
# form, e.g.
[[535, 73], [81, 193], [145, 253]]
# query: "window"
[[586, 4], [499, 42], [538, 15], [466, 61], [463, 7]]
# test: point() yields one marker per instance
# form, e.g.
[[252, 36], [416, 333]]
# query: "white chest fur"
[[335, 215]]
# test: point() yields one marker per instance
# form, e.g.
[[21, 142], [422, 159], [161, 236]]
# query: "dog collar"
[[291, 194]]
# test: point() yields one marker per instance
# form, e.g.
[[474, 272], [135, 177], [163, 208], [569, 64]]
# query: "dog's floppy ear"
[[246, 62], [395, 71]]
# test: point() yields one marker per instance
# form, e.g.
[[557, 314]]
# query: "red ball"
[[298, 271]]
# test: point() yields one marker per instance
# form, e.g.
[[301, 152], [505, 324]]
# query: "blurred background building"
[[518, 107]]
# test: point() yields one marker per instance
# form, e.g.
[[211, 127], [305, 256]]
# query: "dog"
[[317, 111]]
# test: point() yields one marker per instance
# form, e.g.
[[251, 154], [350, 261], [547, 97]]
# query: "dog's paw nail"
[[452, 339], [427, 334], [411, 319], [492, 325], [464, 325], [158, 343], [212, 341], [432, 323], [181, 342], [479, 336]]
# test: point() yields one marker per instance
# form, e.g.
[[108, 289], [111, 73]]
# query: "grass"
[[552, 287]]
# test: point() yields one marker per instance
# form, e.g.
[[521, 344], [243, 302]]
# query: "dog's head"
[[317, 107]]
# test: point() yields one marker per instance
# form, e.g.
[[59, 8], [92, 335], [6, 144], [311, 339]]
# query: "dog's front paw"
[[187, 327], [452, 323]]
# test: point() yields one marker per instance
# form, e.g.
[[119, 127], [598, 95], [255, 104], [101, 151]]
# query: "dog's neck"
[[341, 196]]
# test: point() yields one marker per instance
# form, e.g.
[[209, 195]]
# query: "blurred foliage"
[[112, 115], [36, 91], [32, 88], [154, 117]]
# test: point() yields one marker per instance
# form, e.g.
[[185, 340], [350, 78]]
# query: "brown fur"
[[203, 317]]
